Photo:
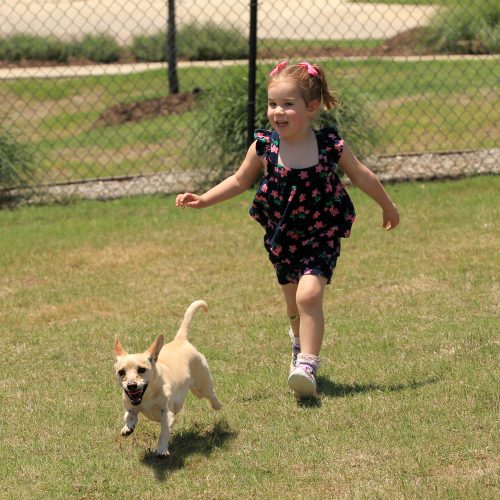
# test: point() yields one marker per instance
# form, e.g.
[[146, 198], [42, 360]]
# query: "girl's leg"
[[290, 293], [309, 302]]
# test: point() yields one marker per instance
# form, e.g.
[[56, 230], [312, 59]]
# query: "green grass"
[[420, 2], [409, 394], [419, 106]]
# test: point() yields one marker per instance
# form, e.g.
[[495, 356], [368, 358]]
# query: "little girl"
[[301, 204]]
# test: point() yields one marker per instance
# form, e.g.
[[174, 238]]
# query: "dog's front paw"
[[162, 452], [126, 431]]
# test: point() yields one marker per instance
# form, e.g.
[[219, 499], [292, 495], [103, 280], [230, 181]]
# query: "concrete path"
[[289, 19], [125, 69]]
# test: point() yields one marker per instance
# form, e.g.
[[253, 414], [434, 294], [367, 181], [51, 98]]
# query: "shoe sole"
[[301, 386]]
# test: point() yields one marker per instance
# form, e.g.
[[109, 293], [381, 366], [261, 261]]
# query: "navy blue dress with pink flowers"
[[304, 211]]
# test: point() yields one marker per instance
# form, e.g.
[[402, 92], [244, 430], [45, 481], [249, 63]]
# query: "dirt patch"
[[147, 108]]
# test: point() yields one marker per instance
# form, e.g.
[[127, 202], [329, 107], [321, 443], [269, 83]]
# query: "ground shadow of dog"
[[331, 389], [185, 443]]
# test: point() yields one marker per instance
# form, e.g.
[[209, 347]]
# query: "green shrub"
[[37, 48], [221, 133], [210, 42], [150, 48], [98, 48], [16, 161], [194, 42], [466, 29]]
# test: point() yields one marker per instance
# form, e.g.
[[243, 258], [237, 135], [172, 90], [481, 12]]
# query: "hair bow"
[[311, 70], [278, 68]]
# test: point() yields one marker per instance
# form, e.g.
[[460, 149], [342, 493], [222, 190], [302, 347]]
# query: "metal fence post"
[[173, 80], [252, 70]]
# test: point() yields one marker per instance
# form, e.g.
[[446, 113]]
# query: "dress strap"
[[274, 147]]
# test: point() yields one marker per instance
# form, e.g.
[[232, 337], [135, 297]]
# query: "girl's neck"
[[299, 152]]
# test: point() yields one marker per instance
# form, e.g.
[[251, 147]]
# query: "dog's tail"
[[188, 317]]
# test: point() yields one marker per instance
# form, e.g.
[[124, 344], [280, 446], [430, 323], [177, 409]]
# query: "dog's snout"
[[131, 386]]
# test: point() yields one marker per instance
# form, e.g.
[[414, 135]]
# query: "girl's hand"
[[391, 218], [190, 200]]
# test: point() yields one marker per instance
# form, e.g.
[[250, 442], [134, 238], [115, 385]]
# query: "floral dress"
[[304, 211]]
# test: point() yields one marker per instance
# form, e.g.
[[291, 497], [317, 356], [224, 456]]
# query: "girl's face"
[[287, 111]]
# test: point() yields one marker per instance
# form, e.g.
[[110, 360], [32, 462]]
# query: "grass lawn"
[[415, 2], [408, 387], [418, 106]]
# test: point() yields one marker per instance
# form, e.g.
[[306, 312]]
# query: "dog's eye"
[[121, 373], [141, 369]]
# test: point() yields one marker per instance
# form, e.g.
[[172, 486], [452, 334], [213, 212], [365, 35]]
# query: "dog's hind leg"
[[203, 386], [130, 418]]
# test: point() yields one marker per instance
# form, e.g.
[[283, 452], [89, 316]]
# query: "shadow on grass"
[[336, 390], [184, 444]]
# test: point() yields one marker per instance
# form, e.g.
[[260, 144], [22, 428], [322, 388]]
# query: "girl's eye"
[[121, 373], [141, 369]]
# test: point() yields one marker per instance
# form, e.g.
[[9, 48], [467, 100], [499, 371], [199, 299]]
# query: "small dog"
[[157, 381]]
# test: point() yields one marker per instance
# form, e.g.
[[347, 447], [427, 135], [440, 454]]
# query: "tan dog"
[[157, 381]]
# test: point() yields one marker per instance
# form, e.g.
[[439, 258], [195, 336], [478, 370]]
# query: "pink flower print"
[[293, 236], [330, 232], [319, 225], [302, 198], [264, 188], [274, 148], [292, 248], [335, 211], [292, 194], [307, 184], [274, 193], [319, 169], [328, 148], [330, 243], [277, 214], [315, 244], [315, 193], [350, 218], [259, 135], [277, 250], [316, 215], [304, 175], [339, 145], [329, 188], [283, 172]]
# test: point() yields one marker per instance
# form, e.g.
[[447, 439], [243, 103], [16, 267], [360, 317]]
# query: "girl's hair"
[[310, 79]]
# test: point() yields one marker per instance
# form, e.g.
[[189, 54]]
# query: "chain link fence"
[[106, 98]]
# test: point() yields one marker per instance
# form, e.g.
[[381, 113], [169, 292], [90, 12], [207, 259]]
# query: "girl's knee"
[[310, 294]]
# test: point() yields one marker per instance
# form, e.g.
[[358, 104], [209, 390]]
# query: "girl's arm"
[[235, 184], [368, 182]]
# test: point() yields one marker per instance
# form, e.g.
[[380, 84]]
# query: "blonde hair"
[[312, 86]]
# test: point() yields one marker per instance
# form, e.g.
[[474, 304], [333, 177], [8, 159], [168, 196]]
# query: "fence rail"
[[86, 100]]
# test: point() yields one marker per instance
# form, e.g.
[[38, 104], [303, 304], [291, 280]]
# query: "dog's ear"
[[119, 350], [154, 349]]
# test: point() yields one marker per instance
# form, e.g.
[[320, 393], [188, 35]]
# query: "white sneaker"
[[302, 382]]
